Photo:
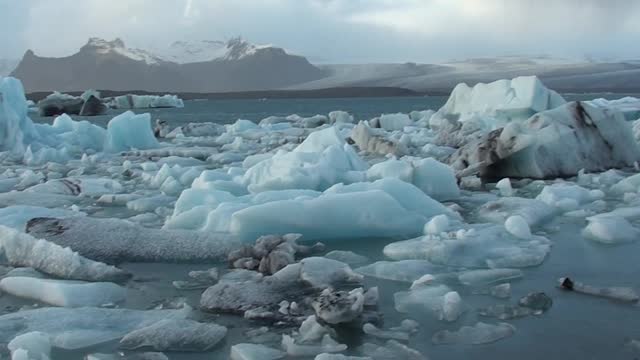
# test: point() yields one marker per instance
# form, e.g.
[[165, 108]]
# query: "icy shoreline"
[[444, 244]]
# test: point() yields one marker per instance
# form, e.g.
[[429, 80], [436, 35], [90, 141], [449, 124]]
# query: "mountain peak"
[[117, 46], [97, 42]]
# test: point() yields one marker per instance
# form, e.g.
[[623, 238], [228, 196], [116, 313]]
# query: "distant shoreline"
[[328, 93], [341, 92]]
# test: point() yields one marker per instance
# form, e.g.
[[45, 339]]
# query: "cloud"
[[334, 30]]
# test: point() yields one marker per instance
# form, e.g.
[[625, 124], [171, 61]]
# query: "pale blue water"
[[228, 111]]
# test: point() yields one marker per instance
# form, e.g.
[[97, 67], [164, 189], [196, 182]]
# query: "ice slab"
[[20, 249], [124, 241], [175, 335], [476, 245], [480, 333], [81, 328], [255, 352], [64, 293]]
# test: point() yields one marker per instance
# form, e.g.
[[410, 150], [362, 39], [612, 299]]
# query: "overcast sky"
[[335, 31]]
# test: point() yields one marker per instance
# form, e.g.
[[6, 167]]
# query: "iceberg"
[[553, 143], [130, 131], [500, 102], [628, 106], [65, 138], [387, 207], [145, 102]]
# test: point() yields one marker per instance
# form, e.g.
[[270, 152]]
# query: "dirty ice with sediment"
[[432, 234]]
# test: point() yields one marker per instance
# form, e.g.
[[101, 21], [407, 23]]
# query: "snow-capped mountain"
[[186, 52], [209, 66], [117, 46]]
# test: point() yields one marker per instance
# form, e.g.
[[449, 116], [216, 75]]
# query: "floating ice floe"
[[20, 249], [385, 208], [66, 138], [475, 245], [439, 300], [30, 346], [403, 270], [535, 212], [431, 176], [327, 356], [175, 335], [121, 240], [624, 294], [500, 102], [480, 333], [65, 293], [255, 352], [81, 328], [610, 229], [145, 102], [293, 283], [327, 345], [391, 350]]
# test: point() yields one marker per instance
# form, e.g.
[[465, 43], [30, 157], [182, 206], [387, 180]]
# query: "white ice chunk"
[[502, 100], [480, 333], [130, 131], [404, 270], [328, 345], [255, 352], [437, 225], [610, 229], [535, 212], [20, 249], [392, 122], [504, 186], [476, 245], [518, 227], [65, 293], [30, 346], [175, 335], [81, 328], [481, 277]]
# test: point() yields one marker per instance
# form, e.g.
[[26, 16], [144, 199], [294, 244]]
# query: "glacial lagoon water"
[[576, 326]]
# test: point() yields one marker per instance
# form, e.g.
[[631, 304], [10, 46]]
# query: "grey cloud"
[[334, 30]]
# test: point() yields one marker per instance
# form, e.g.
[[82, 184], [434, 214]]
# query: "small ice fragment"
[[328, 345], [480, 333], [30, 346], [392, 350], [255, 352], [502, 291], [624, 294], [326, 356], [504, 186], [518, 227], [437, 225], [175, 335], [538, 302], [451, 306], [372, 330]]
